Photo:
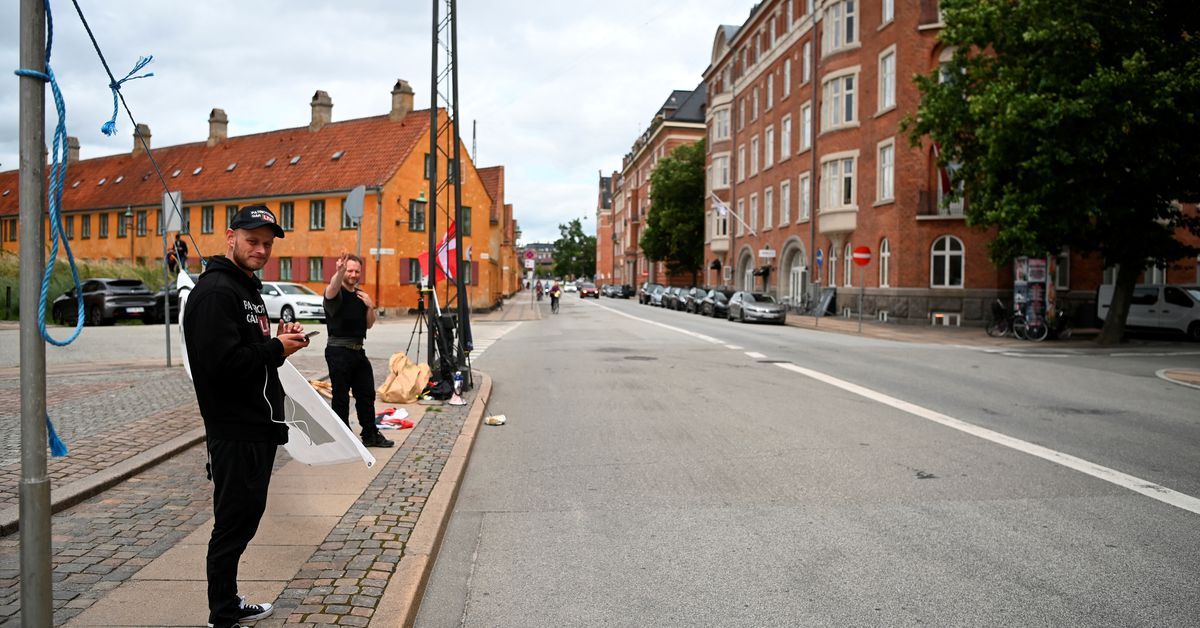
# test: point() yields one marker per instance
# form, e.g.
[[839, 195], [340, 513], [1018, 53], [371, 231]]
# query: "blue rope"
[[58, 172], [110, 127]]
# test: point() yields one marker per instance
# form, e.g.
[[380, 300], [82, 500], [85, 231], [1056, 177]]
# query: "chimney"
[[142, 131], [218, 127], [402, 100], [322, 111], [72, 149]]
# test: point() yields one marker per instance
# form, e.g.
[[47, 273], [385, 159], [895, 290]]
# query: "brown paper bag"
[[405, 380]]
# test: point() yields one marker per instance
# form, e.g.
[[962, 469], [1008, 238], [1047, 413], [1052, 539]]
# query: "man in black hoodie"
[[234, 362]]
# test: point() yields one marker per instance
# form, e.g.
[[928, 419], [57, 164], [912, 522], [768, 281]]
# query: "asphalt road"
[[660, 469]]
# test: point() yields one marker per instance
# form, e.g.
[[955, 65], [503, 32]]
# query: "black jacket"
[[234, 359]]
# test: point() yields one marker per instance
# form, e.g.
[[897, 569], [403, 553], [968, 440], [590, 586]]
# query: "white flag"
[[722, 209]]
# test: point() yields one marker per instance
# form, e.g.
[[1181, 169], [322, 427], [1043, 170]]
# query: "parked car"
[[156, 313], [716, 303], [289, 302], [626, 291], [657, 294], [756, 306], [570, 287], [645, 291], [104, 301], [588, 290], [670, 298], [690, 300], [1158, 307]]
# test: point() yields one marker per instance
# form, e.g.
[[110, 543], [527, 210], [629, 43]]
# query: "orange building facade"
[[112, 206]]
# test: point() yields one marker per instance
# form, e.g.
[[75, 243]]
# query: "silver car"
[[756, 306]]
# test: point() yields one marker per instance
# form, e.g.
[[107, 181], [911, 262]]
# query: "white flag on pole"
[[721, 208]]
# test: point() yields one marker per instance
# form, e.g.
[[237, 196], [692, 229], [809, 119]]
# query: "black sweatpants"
[[241, 473], [350, 370]]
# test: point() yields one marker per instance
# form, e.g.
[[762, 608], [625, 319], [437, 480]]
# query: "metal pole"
[[36, 592], [464, 307], [431, 213], [358, 237], [813, 196], [379, 241], [862, 289], [167, 288]]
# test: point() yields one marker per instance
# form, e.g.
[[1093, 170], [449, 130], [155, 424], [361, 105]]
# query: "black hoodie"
[[234, 359]]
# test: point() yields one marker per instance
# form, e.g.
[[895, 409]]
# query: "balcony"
[[930, 206], [836, 221], [719, 244]]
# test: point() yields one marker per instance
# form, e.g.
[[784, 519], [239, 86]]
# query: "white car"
[[292, 301], [570, 287]]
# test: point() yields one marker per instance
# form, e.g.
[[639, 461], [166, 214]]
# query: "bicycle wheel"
[[1018, 327], [998, 328], [1037, 332]]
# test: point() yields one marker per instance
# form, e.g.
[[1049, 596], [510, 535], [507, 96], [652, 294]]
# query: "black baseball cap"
[[255, 216]]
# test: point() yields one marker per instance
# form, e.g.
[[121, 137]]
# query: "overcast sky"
[[559, 90]]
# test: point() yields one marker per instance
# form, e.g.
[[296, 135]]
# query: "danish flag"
[[445, 253]]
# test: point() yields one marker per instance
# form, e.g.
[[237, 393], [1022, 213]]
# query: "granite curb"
[[75, 492], [406, 586]]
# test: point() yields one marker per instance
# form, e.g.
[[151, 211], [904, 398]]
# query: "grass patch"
[[60, 281]]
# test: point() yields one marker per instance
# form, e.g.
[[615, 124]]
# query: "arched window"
[[848, 268], [946, 268], [832, 266], [885, 261]]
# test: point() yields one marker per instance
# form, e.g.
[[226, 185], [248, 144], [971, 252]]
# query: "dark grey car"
[[756, 306], [105, 301], [716, 303]]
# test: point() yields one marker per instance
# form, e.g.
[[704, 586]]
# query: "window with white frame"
[[887, 79], [754, 212], [754, 155], [769, 147], [316, 269], [848, 267], [754, 104], [805, 126], [720, 167], [888, 11], [833, 259], [785, 203], [769, 207], [837, 183], [841, 25], [721, 124], [785, 137], [885, 263], [285, 269], [886, 168], [790, 17], [741, 212], [946, 267], [720, 225], [1062, 269], [837, 102], [771, 32], [770, 91], [804, 197], [787, 73], [806, 62], [808, 7], [741, 114], [1156, 275], [741, 164]]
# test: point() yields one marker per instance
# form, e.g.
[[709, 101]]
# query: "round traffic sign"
[[820, 258], [529, 254], [862, 255]]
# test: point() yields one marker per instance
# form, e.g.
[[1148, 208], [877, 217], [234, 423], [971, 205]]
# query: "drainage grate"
[[774, 361], [640, 357]]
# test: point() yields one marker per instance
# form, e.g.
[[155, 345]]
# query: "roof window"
[[270, 162], [295, 160], [338, 155], [176, 173], [101, 181], [76, 183], [231, 167], [197, 171], [6, 192], [119, 178]]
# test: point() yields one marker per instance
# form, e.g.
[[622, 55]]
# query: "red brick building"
[[679, 121], [112, 206], [804, 109], [605, 251]]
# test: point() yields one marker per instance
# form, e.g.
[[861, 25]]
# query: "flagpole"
[[721, 204]]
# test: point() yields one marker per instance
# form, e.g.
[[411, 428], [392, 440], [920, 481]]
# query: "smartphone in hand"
[[310, 334]]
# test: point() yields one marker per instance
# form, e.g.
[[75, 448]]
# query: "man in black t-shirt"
[[349, 313]]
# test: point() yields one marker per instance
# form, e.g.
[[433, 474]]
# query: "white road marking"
[[756, 355], [734, 347], [485, 335], [1135, 484], [1138, 485]]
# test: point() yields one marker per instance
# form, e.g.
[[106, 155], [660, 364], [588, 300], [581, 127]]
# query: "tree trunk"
[[1114, 323]]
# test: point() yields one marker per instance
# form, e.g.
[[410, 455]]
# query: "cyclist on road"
[[555, 295]]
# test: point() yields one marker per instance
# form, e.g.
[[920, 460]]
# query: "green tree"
[[675, 224], [574, 251], [1074, 123]]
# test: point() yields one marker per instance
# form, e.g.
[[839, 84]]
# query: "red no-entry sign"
[[862, 255]]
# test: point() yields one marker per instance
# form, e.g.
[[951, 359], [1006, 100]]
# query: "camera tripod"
[[443, 363]]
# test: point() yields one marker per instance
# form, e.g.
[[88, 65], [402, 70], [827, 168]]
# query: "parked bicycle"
[[1002, 320], [1005, 322]]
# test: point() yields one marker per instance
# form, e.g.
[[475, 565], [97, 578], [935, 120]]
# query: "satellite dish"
[[354, 202]]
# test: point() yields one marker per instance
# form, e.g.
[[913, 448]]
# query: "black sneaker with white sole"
[[251, 612]]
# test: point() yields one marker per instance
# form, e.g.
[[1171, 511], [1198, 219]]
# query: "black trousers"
[[241, 473], [350, 370]]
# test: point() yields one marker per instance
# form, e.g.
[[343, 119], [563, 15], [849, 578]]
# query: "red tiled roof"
[[373, 149], [493, 182]]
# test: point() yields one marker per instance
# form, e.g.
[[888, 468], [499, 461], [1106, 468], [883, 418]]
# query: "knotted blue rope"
[[110, 127], [58, 172]]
